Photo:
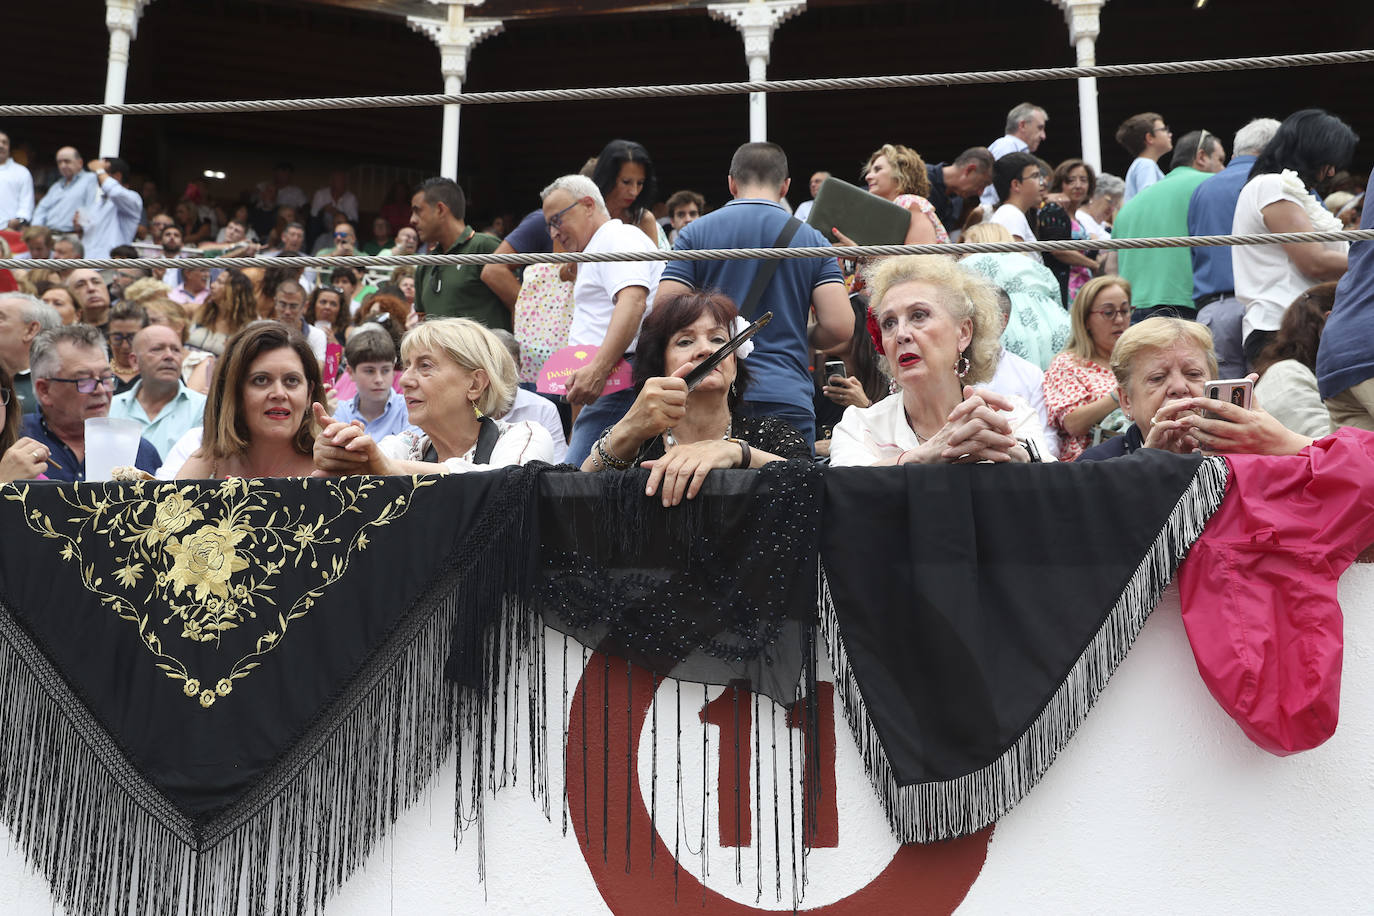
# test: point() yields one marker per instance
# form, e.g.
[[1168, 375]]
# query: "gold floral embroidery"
[[212, 557]]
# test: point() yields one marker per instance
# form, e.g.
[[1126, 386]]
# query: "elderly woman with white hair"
[[938, 328], [1162, 366], [456, 376]]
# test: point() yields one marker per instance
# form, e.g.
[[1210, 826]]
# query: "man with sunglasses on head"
[[1162, 278], [437, 212], [73, 382]]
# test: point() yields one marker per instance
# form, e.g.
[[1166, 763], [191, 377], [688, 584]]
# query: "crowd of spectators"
[[1008, 357]]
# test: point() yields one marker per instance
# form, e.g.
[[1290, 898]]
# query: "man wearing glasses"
[[73, 382], [1020, 186], [610, 300], [289, 308]]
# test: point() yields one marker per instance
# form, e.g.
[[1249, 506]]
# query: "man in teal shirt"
[[1162, 278], [159, 399]]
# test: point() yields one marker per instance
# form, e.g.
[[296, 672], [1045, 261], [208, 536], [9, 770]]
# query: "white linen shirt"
[[520, 443], [598, 283], [16, 192], [866, 435], [1014, 219]]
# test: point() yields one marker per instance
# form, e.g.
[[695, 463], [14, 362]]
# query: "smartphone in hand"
[[833, 368], [1237, 391]]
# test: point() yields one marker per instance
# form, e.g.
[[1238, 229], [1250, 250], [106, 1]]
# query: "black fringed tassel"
[[925, 813], [109, 843]]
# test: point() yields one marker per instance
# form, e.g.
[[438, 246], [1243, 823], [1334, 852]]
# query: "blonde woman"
[[1080, 389], [938, 329], [456, 375]]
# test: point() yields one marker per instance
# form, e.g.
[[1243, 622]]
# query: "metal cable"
[[700, 89], [712, 254]]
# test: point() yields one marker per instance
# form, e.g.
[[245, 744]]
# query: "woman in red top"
[[1080, 389]]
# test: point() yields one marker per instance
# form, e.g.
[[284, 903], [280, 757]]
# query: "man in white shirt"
[[1021, 378], [1020, 182], [610, 300], [1025, 132], [16, 188], [335, 198], [112, 217], [70, 193], [817, 179], [531, 406]]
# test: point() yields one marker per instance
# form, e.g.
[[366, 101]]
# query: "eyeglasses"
[[1113, 314], [555, 222], [1164, 128], [120, 338], [88, 385], [341, 235]]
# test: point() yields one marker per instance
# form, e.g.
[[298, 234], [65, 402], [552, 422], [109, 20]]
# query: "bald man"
[[73, 191], [159, 399]]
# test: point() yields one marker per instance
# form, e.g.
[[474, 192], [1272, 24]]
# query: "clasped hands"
[[976, 430], [346, 448]]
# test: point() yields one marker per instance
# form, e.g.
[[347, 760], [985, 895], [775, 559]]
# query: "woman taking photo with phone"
[[1162, 367]]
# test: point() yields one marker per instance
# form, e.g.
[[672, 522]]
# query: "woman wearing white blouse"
[[457, 374]]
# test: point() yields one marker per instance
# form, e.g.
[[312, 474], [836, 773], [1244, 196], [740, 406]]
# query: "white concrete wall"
[[1159, 804]]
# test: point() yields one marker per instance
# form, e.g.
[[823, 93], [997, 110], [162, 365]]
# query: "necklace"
[[670, 441]]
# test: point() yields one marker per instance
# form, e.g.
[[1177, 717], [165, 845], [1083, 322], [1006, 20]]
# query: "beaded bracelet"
[[606, 458]]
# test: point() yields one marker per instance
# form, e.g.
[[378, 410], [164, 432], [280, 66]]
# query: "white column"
[[121, 18], [1084, 26], [456, 36], [756, 20]]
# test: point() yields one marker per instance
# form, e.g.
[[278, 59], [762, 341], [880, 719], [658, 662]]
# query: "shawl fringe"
[[927, 812], [108, 842]]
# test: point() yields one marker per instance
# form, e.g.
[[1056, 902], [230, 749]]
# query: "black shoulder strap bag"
[[487, 437], [770, 267]]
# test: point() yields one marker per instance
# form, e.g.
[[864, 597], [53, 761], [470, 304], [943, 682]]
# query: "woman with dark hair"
[[21, 458], [625, 174], [228, 309], [1287, 386], [682, 435], [864, 384], [1311, 145], [258, 420], [1074, 181], [323, 309]]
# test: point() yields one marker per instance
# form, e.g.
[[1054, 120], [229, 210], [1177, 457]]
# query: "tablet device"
[[866, 218]]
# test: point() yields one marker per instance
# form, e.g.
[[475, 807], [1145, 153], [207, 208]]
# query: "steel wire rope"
[[1101, 71], [711, 254]]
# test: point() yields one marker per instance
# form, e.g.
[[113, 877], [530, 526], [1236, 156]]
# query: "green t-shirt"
[[452, 291], [1159, 276]]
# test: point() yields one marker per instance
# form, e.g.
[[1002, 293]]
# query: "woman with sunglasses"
[[1080, 389]]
